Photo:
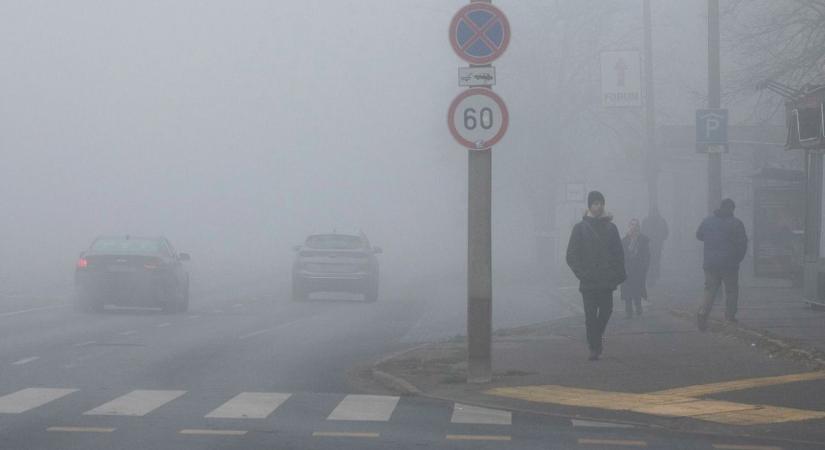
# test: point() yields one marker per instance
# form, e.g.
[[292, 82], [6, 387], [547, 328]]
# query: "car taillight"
[[82, 263]]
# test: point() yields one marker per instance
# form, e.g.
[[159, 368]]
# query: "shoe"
[[701, 322], [594, 355], [731, 320]]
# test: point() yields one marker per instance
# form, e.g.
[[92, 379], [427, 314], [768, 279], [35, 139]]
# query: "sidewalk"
[[764, 376]]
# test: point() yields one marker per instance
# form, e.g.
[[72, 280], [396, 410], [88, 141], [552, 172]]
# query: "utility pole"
[[652, 168], [714, 102]]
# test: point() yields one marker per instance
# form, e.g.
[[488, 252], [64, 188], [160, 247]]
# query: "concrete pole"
[[479, 265], [652, 169], [714, 101], [813, 224]]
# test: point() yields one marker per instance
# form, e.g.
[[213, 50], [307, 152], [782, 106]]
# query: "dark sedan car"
[[335, 263], [131, 271]]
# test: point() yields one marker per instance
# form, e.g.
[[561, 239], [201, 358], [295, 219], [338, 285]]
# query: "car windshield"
[[334, 242], [126, 246]]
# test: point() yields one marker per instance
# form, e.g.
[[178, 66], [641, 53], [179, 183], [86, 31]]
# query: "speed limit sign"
[[478, 118]]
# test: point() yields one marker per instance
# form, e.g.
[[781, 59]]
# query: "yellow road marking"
[[81, 429], [213, 432], [344, 434], [476, 437], [743, 447], [739, 385], [623, 443], [659, 404]]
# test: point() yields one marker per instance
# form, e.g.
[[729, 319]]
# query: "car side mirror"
[[184, 257], [377, 250]]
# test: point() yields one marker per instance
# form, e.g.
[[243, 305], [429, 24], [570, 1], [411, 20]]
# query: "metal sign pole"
[[479, 264]]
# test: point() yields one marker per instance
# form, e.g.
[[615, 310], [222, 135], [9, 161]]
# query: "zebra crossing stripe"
[[135, 403], [30, 398], [250, 405], [374, 408], [478, 415]]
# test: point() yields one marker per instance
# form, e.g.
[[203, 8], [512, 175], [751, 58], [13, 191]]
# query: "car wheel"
[[183, 306]]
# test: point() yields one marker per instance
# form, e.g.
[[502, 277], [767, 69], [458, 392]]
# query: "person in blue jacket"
[[725, 244]]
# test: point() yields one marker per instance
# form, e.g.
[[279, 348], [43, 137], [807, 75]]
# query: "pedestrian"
[[725, 244], [654, 226], [595, 255], [636, 262]]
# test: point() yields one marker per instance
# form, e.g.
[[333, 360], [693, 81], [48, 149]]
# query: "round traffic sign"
[[478, 118], [479, 33]]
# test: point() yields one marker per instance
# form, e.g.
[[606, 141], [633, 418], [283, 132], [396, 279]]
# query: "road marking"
[[344, 434], [135, 403], [476, 437], [376, 408], [44, 308], [619, 442], [128, 333], [81, 429], [213, 432], [473, 414], [268, 330], [738, 385], [238, 305], [659, 404], [194, 316], [217, 311], [744, 447], [25, 361], [593, 424], [162, 325], [26, 399], [85, 344], [250, 405]]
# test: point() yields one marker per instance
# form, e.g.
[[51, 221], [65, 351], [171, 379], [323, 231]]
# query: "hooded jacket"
[[595, 254], [726, 241]]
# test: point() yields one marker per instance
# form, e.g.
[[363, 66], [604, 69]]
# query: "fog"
[[236, 129]]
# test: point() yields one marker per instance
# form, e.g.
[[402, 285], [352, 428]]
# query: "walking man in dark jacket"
[[725, 245], [595, 254]]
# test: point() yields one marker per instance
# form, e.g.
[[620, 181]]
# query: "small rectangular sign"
[[621, 78], [476, 76], [712, 130]]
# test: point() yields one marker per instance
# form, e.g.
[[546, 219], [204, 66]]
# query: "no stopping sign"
[[478, 118]]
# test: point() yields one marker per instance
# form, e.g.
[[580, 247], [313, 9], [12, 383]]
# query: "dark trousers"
[[713, 281], [598, 305], [630, 302]]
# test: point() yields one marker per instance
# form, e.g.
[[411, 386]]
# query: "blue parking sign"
[[711, 128]]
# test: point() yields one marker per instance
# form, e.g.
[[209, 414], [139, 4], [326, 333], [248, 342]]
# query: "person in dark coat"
[[595, 255], [636, 261], [654, 226], [726, 243]]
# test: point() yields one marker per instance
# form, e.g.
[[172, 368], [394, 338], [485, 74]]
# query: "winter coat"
[[595, 254], [725, 241], [636, 264]]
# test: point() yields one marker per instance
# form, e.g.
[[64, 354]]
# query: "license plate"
[[121, 269]]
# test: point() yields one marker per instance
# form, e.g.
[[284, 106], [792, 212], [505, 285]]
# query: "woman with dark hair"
[[636, 261]]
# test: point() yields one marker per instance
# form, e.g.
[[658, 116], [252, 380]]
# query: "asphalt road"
[[252, 370]]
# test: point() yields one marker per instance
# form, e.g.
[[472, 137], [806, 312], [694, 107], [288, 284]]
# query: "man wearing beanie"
[[595, 255], [725, 244]]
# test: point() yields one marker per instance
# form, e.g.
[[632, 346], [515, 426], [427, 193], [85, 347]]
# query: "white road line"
[[345, 434], [26, 399], [217, 311], [477, 415], [135, 403], [213, 432], [375, 408], [128, 333], [44, 308], [250, 405], [592, 424], [162, 325], [476, 437], [268, 330], [238, 305], [25, 361], [85, 344], [194, 316], [81, 429]]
